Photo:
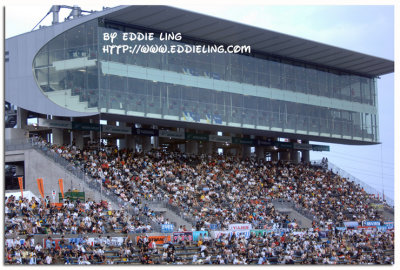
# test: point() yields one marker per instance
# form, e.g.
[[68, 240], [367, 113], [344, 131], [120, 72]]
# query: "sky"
[[367, 29]]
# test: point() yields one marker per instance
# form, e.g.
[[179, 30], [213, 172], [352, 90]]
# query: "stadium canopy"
[[219, 31]]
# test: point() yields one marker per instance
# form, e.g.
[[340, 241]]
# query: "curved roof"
[[211, 29]]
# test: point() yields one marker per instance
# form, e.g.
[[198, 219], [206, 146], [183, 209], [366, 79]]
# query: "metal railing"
[[78, 172], [18, 144], [345, 174]]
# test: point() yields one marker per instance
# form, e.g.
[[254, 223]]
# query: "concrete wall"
[[14, 133], [39, 166]]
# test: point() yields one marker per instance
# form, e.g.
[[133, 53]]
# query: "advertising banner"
[[86, 126], [115, 241], [218, 234], [241, 233], [182, 236], [259, 233], [115, 129], [382, 228], [55, 123], [198, 137], [171, 134], [264, 143], [367, 229], [61, 185], [214, 227], [352, 224], [239, 226], [229, 233], [320, 148], [145, 131], [222, 139], [302, 146], [283, 145], [341, 228], [21, 186], [167, 228], [10, 242], [159, 239], [389, 225], [238, 140], [40, 186], [300, 233], [371, 223], [196, 235]]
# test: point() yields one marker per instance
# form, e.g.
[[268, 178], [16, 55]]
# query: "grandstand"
[[186, 158]]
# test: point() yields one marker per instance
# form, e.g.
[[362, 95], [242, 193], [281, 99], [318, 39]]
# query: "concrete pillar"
[[284, 155], [260, 152], [94, 136], [156, 141], [246, 151], [274, 156], [207, 148], [78, 138], [128, 142], [305, 156], [146, 144], [19, 170], [192, 147], [22, 117], [58, 136], [232, 151], [295, 156]]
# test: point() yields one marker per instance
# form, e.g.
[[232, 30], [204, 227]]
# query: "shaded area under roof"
[[220, 31]]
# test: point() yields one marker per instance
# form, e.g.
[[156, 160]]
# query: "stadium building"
[[86, 81]]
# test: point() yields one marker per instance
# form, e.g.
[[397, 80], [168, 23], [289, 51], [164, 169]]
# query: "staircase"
[[286, 207], [65, 99], [58, 167], [173, 215]]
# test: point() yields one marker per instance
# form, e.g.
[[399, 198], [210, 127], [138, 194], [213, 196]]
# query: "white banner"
[[115, 241], [171, 134], [238, 233], [55, 123], [239, 226], [115, 129], [245, 233], [223, 139], [217, 234]]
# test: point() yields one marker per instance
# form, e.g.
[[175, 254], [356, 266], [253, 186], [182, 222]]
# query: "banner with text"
[[241, 226], [115, 129], [198, 137], [371, 223], [159, 239], [221, 139], [167, 228], [171, 134], [389, 225], [182, 236], [145, 131], [55, 123]]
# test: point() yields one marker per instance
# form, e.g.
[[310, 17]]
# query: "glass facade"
[[235, 90]]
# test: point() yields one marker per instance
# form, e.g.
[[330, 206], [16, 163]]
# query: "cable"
[[41, 20]]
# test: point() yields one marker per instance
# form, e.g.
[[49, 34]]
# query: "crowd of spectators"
[[224, 189], [212, 190], [37, 216], [300, 247]]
